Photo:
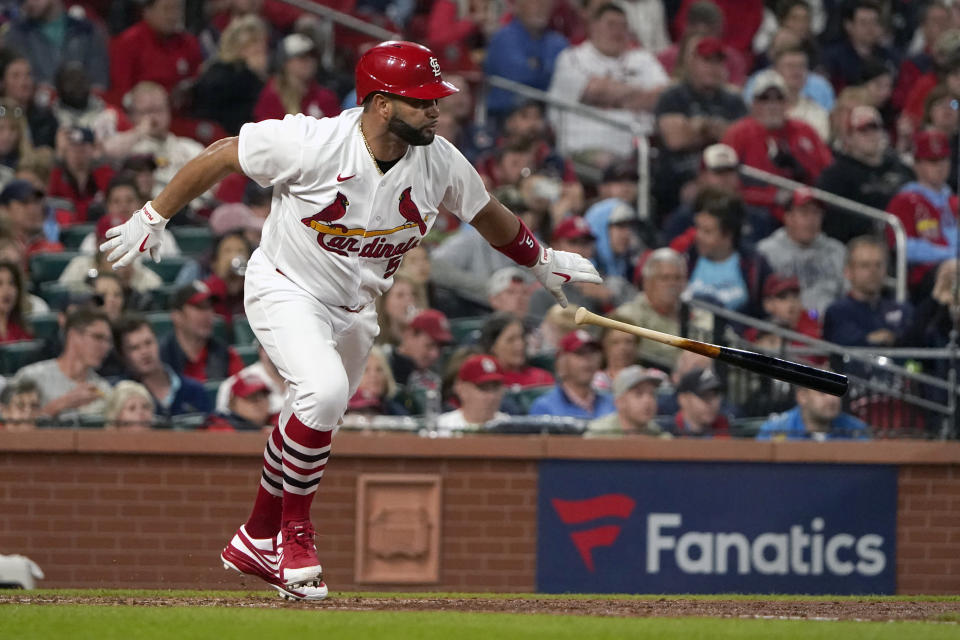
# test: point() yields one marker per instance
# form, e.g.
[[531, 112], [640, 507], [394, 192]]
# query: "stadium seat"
[[193, 240], [72, 236], [47, 267], [168, 269], [466, 330], [162, 295], [45, 325], [55, 294], [90, 422], [523, 398], [188, 421], [248, 352], [161, 322], [242, 333], [543, 362], [15, 355]]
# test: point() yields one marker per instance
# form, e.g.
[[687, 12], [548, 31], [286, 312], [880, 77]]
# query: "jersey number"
[[392, 265]]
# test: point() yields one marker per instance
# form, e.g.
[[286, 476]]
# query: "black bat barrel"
[[800, 374]]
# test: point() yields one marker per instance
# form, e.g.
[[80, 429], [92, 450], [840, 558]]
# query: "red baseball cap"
[[246, 386], [434, 324], [571, 229], [804, 195], [577, 340], [777, 284], [480, 369], [930, 144], [710, 47], [195, 294]]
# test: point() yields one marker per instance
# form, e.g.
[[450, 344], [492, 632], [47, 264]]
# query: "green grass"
[[25, 622]]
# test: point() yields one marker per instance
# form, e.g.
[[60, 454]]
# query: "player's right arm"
[[143, 231]]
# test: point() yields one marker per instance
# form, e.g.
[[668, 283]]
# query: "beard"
[[410, 135]]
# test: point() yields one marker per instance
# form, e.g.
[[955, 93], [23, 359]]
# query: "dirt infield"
[[867, 609]]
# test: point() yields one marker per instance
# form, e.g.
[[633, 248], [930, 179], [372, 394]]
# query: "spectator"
[[558, 322], [458, 32], [524, 50], [504, 336], [50, 37], [191, 348], [20, 405], [946, 71], [578, 361], [865, 317], [237, 217], [927, 208], [395, 309], [864, 170], [619, 352], [413, 360], [660, 307], [691, 116], [939, 113], [265, 370], [704, 20], [615, 223], [121, 198], [228, 266], [377, 393], [155, 50], [109, 288], [605, 73], [248, 407], [768, 140], [294, 89], [12, 251], [75, 104], [480, 388], [13, 300], [14, 137], [793, 65], [802, 250], [699, 397], [129, 407], [934, 21], [742, 18], [172, 393], [20, 90], [417, 268], [228, 86], [69, 385], [876, 84], [719, 168], [864, 31], [509, 291], [793, 22], [720, 269], [77, 178], [932, 324], [783, 306], [634, 395], [818, 416], [21, 208]]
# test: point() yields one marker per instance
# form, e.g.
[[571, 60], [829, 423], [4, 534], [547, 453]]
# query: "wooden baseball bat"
[[792, 372]]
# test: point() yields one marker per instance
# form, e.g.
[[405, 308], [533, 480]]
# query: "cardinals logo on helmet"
[[410, 211]]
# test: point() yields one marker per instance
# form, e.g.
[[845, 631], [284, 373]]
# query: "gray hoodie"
[[818, 267]]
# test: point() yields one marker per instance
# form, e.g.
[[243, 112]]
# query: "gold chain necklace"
[[369, 150]]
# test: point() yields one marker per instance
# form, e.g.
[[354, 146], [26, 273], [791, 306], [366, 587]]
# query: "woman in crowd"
[[619, 352], [129, 407], [13, 325], [294, 88], [377, 392], [395, 309], [504, 336], [19, 88]]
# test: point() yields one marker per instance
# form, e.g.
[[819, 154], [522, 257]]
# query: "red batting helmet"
[[403, 69]]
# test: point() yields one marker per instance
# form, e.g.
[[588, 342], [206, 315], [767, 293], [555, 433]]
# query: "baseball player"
[[351, 195]]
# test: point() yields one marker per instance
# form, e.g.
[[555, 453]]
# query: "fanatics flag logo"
[[577, 512]]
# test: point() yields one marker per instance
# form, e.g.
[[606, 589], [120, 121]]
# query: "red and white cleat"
[[258, 557], [297, 561]]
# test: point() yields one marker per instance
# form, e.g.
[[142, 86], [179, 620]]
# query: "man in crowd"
[[818, 416], [21, 206], [479, 387], [578, 360], [864, 170], [770, 141], [802, 250], [172, 393], [77, 177], [509, 290], [413, 360], [248, 407], [863, 26], [69, 385], [191, 348], [699, 397], [634, 395], [20, 405], [606, 73]]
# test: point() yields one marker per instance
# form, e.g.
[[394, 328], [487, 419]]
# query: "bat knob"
[[581, 315]]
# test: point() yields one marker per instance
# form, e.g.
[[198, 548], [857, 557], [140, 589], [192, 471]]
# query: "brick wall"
[[928, 529]]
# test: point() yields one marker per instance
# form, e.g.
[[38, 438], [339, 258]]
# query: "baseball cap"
[[296, 44], [571, 229], [929, 144], [434, 324], [699, 381], [195, 294], [247, 385], [633, 375], [501, 280], [767, 80], [862, 116], [20, 191], [480, 369], [710, 47], [234, 215], [777, 284], [720, 157], [804, 195], [578, 339], [622, 213]]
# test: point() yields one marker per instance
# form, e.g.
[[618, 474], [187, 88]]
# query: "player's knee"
[[321, 403]]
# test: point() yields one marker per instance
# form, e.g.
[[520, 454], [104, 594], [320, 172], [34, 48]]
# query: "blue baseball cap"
[[19, 190]]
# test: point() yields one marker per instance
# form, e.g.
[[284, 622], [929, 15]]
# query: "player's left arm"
[[507, 234]]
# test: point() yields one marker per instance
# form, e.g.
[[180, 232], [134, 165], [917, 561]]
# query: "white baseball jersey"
[[337, 228]]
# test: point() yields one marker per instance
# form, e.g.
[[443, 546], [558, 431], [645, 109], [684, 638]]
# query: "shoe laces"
[[298, 539]]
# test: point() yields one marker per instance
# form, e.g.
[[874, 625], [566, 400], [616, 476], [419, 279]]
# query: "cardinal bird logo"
[[331, 212], [410, 211]]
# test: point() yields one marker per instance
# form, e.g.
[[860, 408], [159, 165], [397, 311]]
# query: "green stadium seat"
[[45, 325], [72, 236], [91, 422], [220, 329], [16, 355], [161, 322], [525, 397], [193, 240], [55, 294], [47, 267], [466, 330], [188, 421], [248, 352], [242, 333], [543, 362], [162, 295], [168, 268]]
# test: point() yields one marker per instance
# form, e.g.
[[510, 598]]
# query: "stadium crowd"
[[102, 102]]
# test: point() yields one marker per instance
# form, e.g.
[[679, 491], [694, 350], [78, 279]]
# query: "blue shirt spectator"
[[578, 360], [845, 60], [817, 416], [557, 403]]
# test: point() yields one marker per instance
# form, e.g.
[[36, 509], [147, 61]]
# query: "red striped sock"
[[264, 521], [305, 454]]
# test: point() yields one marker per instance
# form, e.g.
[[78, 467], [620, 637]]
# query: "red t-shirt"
[[140, 53], [197, 369], [318, 102], [62, 185], [15, 333]]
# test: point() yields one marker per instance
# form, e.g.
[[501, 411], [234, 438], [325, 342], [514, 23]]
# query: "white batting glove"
[[556, 268], [142, 233]]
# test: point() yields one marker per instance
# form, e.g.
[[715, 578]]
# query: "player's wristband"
[[523, 249]]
